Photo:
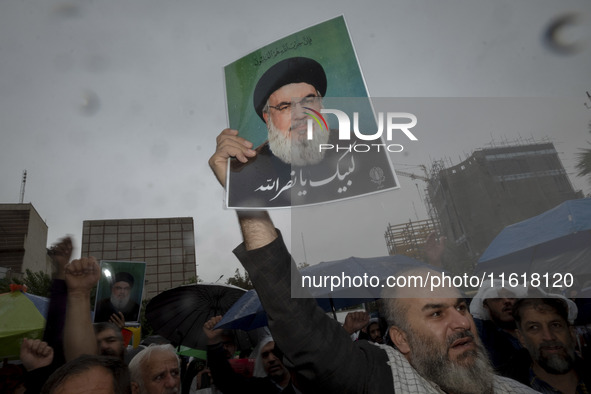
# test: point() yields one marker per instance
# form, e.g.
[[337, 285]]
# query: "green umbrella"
[[190, 352], [21, 316]]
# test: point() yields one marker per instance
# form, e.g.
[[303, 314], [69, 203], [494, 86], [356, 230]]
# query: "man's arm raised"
[[229, 144], [313, 342], [81, 276], [257, 227]]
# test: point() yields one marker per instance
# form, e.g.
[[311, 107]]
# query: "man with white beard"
[[437, 336], [289, 141], [290, 169], [120, 300]]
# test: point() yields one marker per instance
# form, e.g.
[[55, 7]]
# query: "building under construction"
[[496, 187], [409, 238], [475, 199]]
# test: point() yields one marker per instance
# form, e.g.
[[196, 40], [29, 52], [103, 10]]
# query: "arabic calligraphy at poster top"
[[277, 97]]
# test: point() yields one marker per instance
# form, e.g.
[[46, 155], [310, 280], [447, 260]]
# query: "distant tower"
[[22, 198]]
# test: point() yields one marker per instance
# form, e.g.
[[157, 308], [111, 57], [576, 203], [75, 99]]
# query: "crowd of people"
[[435, 342], [500, 342]]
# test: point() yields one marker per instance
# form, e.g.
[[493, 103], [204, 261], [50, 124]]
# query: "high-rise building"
[[166, 245], [23, 240], [496, 187]]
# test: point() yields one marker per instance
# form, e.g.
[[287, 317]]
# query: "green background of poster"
[[328, 43]]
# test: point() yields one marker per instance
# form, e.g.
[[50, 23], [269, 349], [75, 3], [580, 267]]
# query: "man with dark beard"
[[120, 300], [290, 169], [549, 362], [109, 340], [437, 349]]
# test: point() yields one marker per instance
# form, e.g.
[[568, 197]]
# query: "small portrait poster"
[[120, 289], [275, 98]]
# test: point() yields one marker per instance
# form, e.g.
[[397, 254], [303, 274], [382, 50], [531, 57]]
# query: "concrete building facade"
[[166, 245], [23, 240], [496, 187]]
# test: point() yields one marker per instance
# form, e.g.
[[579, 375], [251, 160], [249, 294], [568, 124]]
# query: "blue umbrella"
[[371, 272], [556, 241], [247, 313]]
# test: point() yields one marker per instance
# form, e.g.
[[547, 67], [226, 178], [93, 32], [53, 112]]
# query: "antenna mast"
[[22, 197]]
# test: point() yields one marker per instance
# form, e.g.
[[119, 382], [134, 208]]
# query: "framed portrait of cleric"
[[120, 289], [279, 97]]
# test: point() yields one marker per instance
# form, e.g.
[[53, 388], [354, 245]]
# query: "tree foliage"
[[193, 280], [239, 280], [147, 329], [584, 160], [584, 163], [38, 283], [5, 285]]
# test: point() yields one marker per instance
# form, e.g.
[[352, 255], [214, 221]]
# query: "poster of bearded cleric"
[[303, 104], [119, 291]]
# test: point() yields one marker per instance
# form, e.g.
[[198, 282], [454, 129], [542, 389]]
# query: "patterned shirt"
[[408, 380], [540, 385]]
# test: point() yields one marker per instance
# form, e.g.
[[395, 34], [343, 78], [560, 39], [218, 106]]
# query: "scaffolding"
[[471, 201], [409, 238]]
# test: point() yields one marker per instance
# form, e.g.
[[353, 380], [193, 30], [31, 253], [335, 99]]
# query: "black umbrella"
[[179, 314]]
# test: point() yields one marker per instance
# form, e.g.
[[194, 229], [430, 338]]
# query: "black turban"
[[292, 70], [124, 277]]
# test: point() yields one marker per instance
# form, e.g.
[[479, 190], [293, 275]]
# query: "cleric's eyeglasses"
[[285, 107]]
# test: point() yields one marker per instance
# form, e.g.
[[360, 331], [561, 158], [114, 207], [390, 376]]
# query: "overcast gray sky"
[[113, 107]]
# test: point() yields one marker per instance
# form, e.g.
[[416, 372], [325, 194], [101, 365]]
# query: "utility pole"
[[24, 181]]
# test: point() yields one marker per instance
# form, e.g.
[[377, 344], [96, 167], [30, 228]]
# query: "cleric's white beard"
[[120, 303], [297, 152]]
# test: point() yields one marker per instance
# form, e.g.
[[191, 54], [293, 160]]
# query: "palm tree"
[[584, 163]]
